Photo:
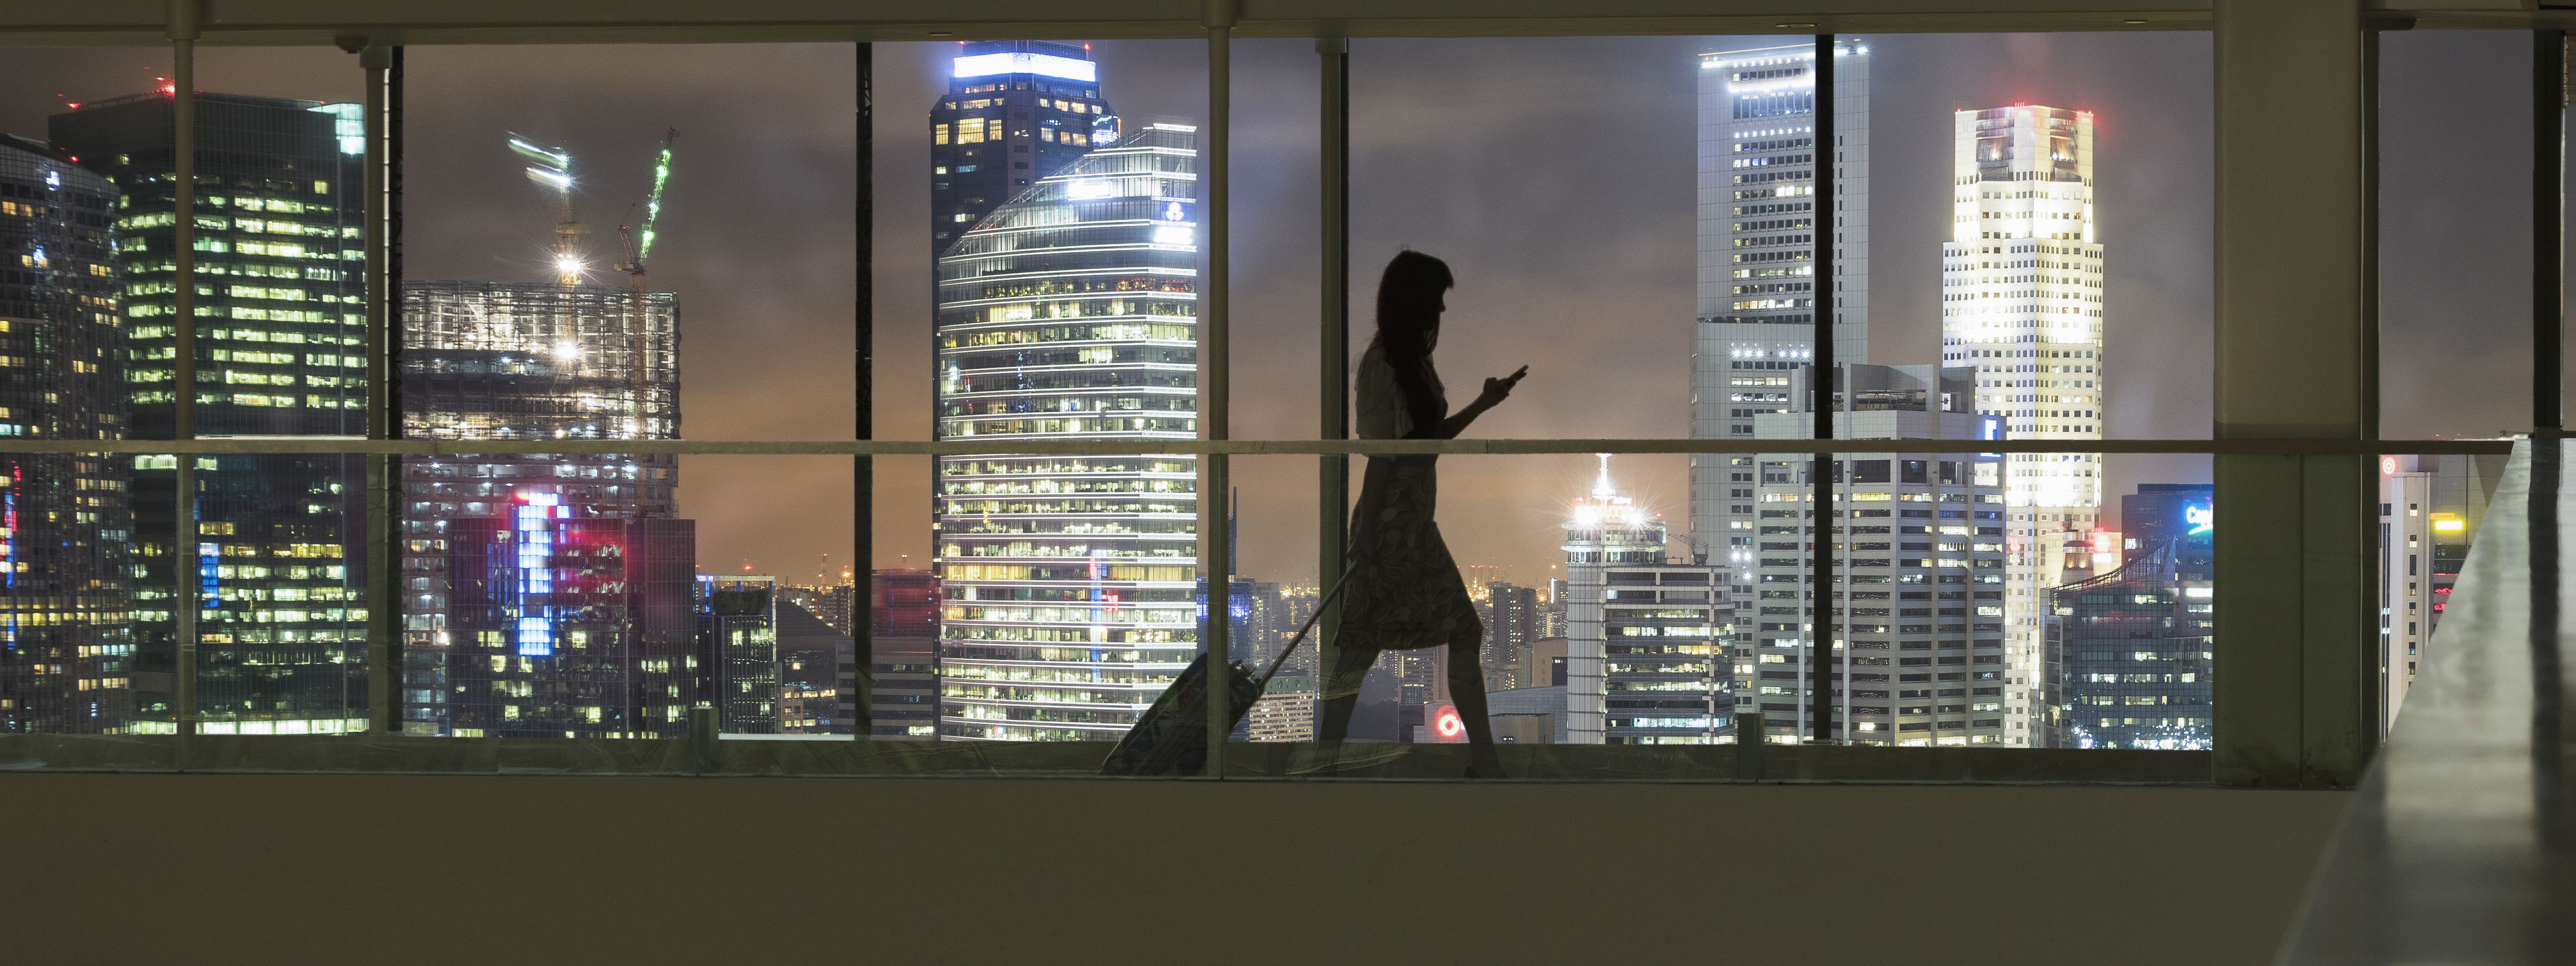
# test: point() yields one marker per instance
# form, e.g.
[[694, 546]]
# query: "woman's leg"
[[1467, 691], [1341, 686]]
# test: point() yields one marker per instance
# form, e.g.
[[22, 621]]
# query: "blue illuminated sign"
[[2198, 517]]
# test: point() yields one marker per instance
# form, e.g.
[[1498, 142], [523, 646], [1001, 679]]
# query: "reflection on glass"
[[278, 554]]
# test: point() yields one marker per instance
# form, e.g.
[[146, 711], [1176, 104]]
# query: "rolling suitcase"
[[1170, 738]]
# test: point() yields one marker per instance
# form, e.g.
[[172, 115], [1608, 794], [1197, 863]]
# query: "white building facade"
[[1910, 647], [2022, 304], [1757, 290]]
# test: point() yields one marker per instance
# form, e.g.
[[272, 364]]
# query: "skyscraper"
[[66, 621], [523, 361], [278, 561], [1939, 512], [817, 680], [2430, 511], [737, 657], [1758, 305], [903, 664], [563, 622], [1511, 615], [1070, 313], [1015, 111], [1644, 653], [2022, 304], [2132, 651]]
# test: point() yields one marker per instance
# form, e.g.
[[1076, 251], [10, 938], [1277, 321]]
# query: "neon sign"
[[532, 581], [1446, 726], [2199, 517]]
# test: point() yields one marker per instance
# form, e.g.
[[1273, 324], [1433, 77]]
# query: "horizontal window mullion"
[[1014, 445]]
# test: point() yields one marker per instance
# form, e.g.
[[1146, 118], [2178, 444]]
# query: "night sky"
[[1553, 174]]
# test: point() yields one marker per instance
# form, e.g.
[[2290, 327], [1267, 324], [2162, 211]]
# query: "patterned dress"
[[1404, 590]]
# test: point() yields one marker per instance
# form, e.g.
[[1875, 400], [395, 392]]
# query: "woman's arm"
[[1496, 390]]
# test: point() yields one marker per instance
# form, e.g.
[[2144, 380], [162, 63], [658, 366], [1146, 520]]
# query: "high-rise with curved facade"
[[66, 519], [1070, 582]]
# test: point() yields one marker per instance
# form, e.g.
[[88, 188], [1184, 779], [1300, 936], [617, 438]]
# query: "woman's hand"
[[1497, 390]]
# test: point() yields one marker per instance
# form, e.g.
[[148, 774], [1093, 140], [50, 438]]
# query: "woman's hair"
[[1408, 306]]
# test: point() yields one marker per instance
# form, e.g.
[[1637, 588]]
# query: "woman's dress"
[[1404, 590]]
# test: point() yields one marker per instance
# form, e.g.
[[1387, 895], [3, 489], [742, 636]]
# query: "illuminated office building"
[[1511, 616], [1757, 308], [526, 361], [563, 622], [280, 324], [66, 621], [1644, 653], [1912, 632], [1015, 111], [737, 659], [1070, 582], [817, 677], [2021, 303]]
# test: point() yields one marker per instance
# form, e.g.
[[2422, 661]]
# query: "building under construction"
[[534, 361], [497, 360]]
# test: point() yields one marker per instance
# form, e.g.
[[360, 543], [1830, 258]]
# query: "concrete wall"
[[291, 869]]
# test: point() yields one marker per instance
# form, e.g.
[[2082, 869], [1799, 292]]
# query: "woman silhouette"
[[1404, 590]]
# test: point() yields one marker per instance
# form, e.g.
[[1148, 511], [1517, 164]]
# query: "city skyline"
[[775, 123]]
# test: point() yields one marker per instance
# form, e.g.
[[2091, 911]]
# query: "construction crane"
[[639, 245], [553, 169]]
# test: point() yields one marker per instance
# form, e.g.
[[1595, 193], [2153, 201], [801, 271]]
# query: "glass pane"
[[605, 595], [2455, 235], [1972, 229], [274, 568]]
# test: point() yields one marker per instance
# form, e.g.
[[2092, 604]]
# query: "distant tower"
[[1758, 305], [1015, 111], [2022, 304], [1615, 592]]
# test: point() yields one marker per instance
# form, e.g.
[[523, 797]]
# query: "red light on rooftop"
[[75, 105]]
